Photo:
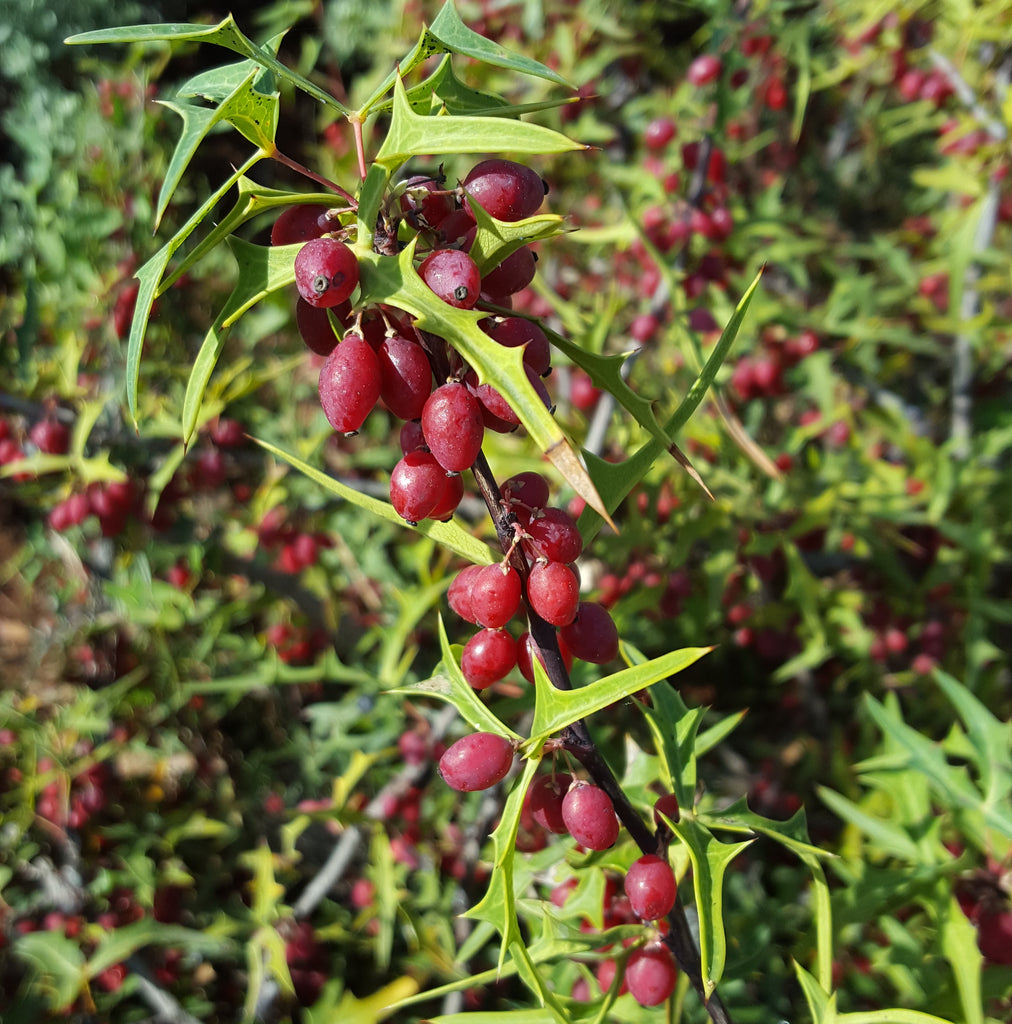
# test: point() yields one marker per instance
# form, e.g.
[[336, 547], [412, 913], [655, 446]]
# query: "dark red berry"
[[651, 974], [453, 426], [495, 595], [553, 592], [546, 795], [417, 485], [349, 384], [590, 817], [302, 224], [453, 276], [592, 636], [476, 762], [506, 190], [651, 888], [405, 376], [326, 272]]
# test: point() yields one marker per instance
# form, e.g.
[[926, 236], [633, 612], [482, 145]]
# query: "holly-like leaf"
[[451, 686], [393, 280], [412, 134], [262, 270], [710, 859], [449, 30], [150, 275], [252, 108], [122, 942], [450, 535], [674, 727], [226, 33], [496, 239], [617, 480], [556, 709]]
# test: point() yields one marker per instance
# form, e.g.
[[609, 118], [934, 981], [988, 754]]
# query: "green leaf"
[[262, 270], [710, 859], [496, 1017], [821, 1004], [252, 108], [452, 687], [226, 33], [497, 239], [959, 944], [458, 38], [58, 960], [674, 728], [887, 836], [121, 943], [393, 280], [449, 535], [990, 740], [412, 134], [150, 275], [950, 782], [618, 479], [556, 709]]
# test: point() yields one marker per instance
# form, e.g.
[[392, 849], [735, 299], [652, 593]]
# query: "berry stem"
[[276, 154]]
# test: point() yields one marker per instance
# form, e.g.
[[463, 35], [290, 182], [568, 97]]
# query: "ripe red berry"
[[703, 69], [315, 328], [527, 649], [417, 484], [651, 888], [453, 276], [488, 657], [553, 535], [476, 762], [592, 636], [659, 133], [453, 492], [349, 384], [511, 275], [495, 595], [517, 331], [545, 799], [590, 817], [506, 190], [326, 272], [302, 224], [405, 376], [459, 594], [553, 592], [528, 489], [453, 426], [651, 974]]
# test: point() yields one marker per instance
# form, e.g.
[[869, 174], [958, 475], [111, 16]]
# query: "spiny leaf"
[[452, 687], [412, 134], [252, 108], [556, 709], [262, 270], [618, 479], [458, 38], [394, 281], [226, 33], [710, 859], [449, 535], [150, 275], [496, 239]]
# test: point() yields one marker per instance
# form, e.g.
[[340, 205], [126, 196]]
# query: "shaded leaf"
[[449, 535], [124, 941], [58, 960]]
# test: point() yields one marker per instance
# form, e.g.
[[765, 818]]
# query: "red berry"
[[405, 377], [592, 636], [514, 273], [705, 68], [545, 798], [476, 762], [517, 331], [495, 595], [527, 649], [349, 384], [453, 426], [417, 485], [651, 974], [553, 535], [459, 595], [302, 224], [488, 657], [590, 817], [659, 133], [553, 592], [651, 888], [528, 489], [506, 190], [326, 272], [453, 276]]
